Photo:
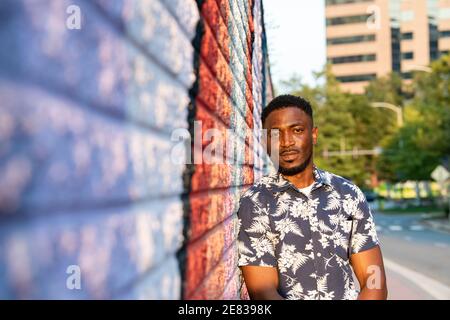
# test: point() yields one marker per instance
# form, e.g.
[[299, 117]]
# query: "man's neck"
[[303, 179]]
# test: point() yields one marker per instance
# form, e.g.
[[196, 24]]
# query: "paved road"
[[417, 258]]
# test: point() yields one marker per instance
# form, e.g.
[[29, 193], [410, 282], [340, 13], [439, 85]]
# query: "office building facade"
[[367, 39]]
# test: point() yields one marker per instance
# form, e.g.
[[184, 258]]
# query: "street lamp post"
[[396, 109], [373, 152], [415, 67]]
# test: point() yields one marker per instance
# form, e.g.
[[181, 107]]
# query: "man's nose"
[[286, 139]]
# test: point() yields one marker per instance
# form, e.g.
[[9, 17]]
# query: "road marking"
[[416, 228], [431, 286], [395, 228]]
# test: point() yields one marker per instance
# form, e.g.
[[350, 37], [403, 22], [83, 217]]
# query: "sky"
[[296, 39]]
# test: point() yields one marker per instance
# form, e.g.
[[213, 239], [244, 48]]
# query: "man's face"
[[296, 138]]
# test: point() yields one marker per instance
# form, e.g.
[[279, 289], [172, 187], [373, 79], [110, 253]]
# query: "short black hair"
[[284, 101]]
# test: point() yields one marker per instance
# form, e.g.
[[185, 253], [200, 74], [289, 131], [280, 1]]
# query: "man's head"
[[293, 118]]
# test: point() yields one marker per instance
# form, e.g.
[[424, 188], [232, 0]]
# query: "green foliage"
[[403, 159], [386, 89], [424, 141]]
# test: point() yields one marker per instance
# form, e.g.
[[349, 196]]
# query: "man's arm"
[[261, 282], [369, 269]]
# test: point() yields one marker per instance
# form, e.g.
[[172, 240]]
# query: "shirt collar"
[[280, 184]]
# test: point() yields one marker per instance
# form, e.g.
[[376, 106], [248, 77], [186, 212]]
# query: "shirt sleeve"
[[364, 234], [255, 239]]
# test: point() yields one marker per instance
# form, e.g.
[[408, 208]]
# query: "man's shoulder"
[[262, 185], [340, 183]]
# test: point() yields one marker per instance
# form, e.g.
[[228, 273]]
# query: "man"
[[302, 229]]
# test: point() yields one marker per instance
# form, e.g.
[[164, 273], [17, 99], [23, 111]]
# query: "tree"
[[424, 141], [386, 89]]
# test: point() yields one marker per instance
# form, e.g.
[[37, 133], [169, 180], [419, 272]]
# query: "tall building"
[[371, 38]]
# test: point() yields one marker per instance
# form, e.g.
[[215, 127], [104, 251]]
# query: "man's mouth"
[[289, 155]]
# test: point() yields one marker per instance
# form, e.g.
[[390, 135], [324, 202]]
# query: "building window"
[[444, 53], [356, 78], [334, 2], [349, 40], [352, 59], [347, 20], [395, 48], [434, 41], [433, 30], [407, 36], [445, 34], [407, 75], [407, 55]]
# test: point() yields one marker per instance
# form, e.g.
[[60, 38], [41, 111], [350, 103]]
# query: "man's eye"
[[298, 130]]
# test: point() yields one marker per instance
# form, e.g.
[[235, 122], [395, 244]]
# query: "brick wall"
[[86, 149]]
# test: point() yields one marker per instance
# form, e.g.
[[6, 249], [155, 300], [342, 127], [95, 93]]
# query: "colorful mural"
[[87, 117]]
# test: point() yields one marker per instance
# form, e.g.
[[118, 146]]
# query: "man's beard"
[[295, 170]]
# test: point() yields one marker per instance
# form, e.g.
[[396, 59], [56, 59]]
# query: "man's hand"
[[261, 282], [369, 269]]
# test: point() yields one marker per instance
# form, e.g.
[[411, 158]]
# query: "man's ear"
[[315, 135]]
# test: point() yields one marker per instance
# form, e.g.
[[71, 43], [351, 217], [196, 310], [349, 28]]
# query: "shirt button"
[[318, 254]]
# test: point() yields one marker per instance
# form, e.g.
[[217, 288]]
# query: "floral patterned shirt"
[[308, 238]]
